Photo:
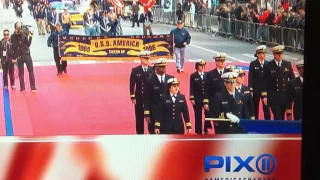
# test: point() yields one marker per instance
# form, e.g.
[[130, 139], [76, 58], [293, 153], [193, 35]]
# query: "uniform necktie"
[[261, 65], [201, 75], [173, 98], [278, 64], [145, 69], [161, 79], [232, 96]]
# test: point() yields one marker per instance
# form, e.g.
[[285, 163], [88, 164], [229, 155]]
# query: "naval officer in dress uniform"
[[213, 83], [173, 111], [156, 86], [277, 74], [245, 90], [138, 77], [228, 101], [197, 84], [257, 82], [295, 94]]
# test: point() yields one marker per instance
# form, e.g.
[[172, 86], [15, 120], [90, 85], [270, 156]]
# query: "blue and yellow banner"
[[120, 48]]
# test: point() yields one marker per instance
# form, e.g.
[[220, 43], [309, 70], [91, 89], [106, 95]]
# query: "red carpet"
[[2, 120], [90, 99]]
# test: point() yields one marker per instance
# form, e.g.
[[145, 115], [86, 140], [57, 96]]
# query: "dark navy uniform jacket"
[[277, 79], [169, 114], [154, 90], [138, 79], [295, 95], [54, 37]]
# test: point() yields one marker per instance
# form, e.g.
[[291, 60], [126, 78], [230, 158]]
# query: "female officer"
[[172, 107]]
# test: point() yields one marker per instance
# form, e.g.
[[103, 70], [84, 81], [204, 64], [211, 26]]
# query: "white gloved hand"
[[233, 118]]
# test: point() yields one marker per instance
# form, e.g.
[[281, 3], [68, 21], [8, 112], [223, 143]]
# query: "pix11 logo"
[[265, 164]]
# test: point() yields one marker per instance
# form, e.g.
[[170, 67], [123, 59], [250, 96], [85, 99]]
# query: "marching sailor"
[[295, 94], [257, 82], [172, 107], [245, 90], [156, 86], [277, 74], [138, 77], [197, 84], [226, 104], [213, 84]]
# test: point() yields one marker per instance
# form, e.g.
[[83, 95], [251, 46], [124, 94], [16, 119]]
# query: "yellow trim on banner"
[[115, 59]]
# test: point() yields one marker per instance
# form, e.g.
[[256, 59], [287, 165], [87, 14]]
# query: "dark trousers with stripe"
[[61, 65], [139, 118], [8, 69], [256, 104], [197, 108], [278, 111]]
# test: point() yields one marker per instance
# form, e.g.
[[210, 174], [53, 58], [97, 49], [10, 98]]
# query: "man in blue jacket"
[[181, 39], [53, 42]]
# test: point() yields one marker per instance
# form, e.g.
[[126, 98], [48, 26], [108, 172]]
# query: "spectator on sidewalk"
[[179, 12], [285, 4], [7, 61], [89, 23], [181, 39], [192, 13], [135, 13], [223, 18], [66, 21], [203, 17], [40, 16], [253, 4]]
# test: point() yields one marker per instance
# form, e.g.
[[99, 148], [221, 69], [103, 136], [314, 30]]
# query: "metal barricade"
[[275, 35], [251, 31], [300, 40], [224, 26], [290, 36], [262, 33], [157, 15], [198, 20], [166, 17], [240, 29], [189, 20], [172, 17], [213, 24]]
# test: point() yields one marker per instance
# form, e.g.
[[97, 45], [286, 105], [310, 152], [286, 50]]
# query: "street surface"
[[202, 45]]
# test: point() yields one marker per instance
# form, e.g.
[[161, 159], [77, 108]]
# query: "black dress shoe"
[[206, 131], [178, 70], [65, 71]]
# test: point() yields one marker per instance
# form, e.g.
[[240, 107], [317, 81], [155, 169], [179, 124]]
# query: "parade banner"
[[190, 157], [119, 48]]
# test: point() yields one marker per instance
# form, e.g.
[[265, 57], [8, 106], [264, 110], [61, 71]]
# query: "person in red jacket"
[[286, 5]]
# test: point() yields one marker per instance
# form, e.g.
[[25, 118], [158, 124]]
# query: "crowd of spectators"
[[234, 18]]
